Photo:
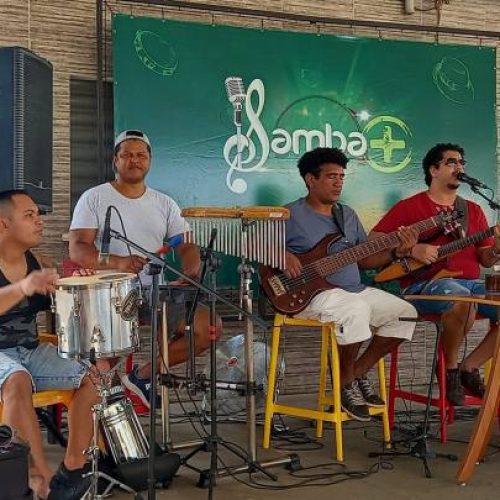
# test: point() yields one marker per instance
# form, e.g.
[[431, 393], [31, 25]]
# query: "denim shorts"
[[47, 369], [449, 286]]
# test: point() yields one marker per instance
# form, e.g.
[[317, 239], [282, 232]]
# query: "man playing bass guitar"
[[351, 305]]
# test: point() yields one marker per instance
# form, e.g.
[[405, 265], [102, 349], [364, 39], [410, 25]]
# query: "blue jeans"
[[48, 371], [449, 286]]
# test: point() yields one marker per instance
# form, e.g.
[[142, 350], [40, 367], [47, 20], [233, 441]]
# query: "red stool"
[[446, 410]]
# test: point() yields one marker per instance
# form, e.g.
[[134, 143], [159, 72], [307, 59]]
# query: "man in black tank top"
[[25, 364]]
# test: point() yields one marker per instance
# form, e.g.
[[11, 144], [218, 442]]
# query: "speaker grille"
[[26, 98]]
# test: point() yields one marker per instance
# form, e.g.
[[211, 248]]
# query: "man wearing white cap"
[[149, 217]]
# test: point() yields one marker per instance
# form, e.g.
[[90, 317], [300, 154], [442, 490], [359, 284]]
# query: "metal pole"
[[165, 391], [99, 91]]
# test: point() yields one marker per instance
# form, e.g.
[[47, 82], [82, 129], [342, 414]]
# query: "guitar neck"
[[461, 243], [332, 263]]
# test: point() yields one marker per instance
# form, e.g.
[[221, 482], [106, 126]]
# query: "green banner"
[[385, 103]]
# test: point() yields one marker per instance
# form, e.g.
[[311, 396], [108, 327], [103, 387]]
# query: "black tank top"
[[18, 325]]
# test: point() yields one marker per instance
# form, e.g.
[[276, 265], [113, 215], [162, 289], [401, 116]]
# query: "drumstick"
[[172, 243]]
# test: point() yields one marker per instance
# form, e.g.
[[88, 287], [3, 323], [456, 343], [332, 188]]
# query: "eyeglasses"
[[454, 162]]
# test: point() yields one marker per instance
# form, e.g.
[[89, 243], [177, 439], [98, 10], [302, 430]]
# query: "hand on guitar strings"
[[408, 237], [293, 266]]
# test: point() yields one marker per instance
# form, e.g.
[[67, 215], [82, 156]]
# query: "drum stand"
[[251, 464], [155, 266], [103, 388], [291, 461], [213, 441]]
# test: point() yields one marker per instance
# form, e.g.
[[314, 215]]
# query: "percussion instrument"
[[255, 233], [96, 316], [124, 435]]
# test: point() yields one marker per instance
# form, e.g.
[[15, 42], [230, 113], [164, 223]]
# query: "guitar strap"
[[338, 217], [462, 223]]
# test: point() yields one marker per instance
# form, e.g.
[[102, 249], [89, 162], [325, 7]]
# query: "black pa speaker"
[[26, 124]]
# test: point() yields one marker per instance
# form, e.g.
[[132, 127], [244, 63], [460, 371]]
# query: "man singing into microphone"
[[442, 164], [149, 217]]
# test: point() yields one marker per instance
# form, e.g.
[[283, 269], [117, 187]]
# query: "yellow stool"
[[49, 398], [329, 408]]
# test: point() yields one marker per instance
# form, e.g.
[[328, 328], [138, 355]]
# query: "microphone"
[[169, 245], [105, 238], [471, 181], [235, 90], [236, 95]]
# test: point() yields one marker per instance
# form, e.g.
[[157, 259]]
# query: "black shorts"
[[176, 309]]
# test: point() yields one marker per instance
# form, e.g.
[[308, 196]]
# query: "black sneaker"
[[352, 402], [472, 382], [69, 484], [368, 393], [454, 391]]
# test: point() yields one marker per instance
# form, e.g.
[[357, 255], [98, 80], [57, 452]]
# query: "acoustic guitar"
[[408, 265], [292, 295]]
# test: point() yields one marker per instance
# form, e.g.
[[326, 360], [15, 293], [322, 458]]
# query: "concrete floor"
[[404, 479]]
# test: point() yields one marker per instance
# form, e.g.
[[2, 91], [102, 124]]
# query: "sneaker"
[[352, 402], [368, 393], [454, 390], [141, 387], [69, 484], [472, 382]]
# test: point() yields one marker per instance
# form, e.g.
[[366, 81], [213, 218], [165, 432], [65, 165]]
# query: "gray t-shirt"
[[148, 220], [307, 227]]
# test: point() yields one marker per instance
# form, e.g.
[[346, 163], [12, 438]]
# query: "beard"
[[452, 187]]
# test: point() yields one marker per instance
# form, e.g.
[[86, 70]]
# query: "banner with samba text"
[[385, 103]]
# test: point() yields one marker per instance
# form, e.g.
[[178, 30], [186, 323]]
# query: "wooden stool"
[[329, 408]]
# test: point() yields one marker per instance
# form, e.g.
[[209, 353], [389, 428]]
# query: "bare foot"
[[40, 486]]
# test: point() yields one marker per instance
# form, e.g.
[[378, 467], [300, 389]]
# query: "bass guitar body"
[[292, 295]]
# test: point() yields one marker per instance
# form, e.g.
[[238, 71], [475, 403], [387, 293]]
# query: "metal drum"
[[124, 435], [96, 316]]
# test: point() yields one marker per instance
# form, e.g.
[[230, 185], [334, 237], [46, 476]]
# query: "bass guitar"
[[292, 295]]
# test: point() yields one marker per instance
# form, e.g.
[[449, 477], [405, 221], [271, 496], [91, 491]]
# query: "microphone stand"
[[206, 255], [154, 268], [491, 202]]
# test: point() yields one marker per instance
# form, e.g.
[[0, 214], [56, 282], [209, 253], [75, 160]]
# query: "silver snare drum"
[[97, 314]]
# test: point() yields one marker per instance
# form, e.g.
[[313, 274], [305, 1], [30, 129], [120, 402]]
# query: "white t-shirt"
[[148, 220]]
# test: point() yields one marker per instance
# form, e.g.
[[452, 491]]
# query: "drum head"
[[95, 280]]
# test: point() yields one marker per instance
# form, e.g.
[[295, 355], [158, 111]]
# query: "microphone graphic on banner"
[[471, 181], [236, 95], [105, 238]]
